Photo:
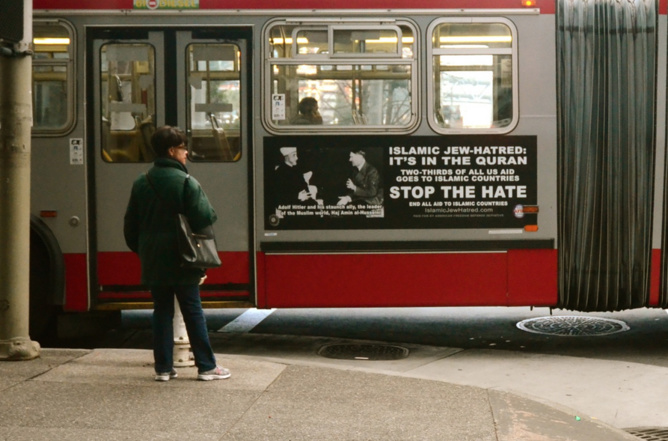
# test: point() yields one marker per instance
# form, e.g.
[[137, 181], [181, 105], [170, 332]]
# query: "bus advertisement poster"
[[364, 182]]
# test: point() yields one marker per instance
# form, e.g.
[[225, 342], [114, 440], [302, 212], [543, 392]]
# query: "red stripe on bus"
[[123, 268], [118, 268], [146, 295], [76, 282], [82, 5], [376, 280], [546, 6], [532, 277], [235, 268], [655, 278], [260, 283]]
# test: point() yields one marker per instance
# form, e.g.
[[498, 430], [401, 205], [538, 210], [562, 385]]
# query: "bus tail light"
[[48, 213]]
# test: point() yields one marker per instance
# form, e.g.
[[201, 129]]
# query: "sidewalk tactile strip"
[[649, 433], [572, 325]]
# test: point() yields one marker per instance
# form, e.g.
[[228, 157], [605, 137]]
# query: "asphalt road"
[[638, 335]]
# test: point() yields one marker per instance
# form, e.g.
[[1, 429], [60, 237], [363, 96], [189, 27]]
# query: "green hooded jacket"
[[150, 224]]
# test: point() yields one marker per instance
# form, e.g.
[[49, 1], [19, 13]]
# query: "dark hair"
[[307, 104], [166, 137]]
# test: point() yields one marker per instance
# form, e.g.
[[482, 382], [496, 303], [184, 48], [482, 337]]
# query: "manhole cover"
[[649, 433], [363, 352], [572, 325]]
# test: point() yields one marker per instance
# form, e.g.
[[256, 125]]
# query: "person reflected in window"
[[308, 112], [364, 185]]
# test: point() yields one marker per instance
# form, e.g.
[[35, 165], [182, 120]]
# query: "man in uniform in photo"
[[364, 185]]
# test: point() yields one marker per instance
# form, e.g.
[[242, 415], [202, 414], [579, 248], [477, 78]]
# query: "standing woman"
[[150, 231]]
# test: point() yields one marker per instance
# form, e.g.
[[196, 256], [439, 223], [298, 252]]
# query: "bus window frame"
[[347, 59], [431, 86], [70, 66]]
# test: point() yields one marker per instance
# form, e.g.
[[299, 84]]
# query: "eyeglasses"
[[180, 146]]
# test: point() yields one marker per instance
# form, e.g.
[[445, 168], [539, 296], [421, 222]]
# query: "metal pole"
[[182, 355], [15, 125]]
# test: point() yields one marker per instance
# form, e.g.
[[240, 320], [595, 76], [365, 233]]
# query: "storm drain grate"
[[649, 433], [572, 326], [363, 352]]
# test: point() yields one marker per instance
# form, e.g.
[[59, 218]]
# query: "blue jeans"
[[193, 316]]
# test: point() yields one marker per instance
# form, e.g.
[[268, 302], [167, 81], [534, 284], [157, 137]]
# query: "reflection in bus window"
[[361, 76], [214, 102], [53, 95], [311, 42], [472, 76], [370, 41], [127, 85]]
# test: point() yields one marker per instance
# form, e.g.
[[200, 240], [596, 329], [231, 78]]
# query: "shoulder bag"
[[196, 250]]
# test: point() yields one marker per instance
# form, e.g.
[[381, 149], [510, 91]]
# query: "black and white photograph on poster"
[[313, 184], [363, 182]]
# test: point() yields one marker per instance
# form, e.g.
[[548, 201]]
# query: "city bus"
[[465, 153]]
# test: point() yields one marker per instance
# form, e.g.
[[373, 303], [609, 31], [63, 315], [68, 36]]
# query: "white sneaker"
[[166, 376], [218, 373]]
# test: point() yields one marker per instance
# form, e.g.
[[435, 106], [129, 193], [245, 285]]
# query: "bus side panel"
[[655, 278], [379, 280], [532, 277], [260, 281], [234, 269], [108, 261], [76, 282]]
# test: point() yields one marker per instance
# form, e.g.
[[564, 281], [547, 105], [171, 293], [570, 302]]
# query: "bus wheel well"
[[47, 279]]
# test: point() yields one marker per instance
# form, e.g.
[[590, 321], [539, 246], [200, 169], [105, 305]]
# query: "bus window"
[[53, 76], [381, 41], [311, 42], [127, 82], [473, 76], [362, 78], [214, 102]]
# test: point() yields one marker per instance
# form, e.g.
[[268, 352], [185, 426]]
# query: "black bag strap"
[[185, 186]]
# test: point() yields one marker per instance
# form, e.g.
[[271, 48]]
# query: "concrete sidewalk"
[[110, 394]]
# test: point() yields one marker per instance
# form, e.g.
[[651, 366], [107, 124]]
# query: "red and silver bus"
[[504, 152]]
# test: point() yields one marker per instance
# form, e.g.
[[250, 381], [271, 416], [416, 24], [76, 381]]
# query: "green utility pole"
[[15, 125]]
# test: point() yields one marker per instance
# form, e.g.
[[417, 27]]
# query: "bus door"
[[193, 79]]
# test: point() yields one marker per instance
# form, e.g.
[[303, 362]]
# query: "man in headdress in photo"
[[291, 183]]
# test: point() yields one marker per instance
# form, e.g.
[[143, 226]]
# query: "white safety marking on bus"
[[513, 231], [247, 321]]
